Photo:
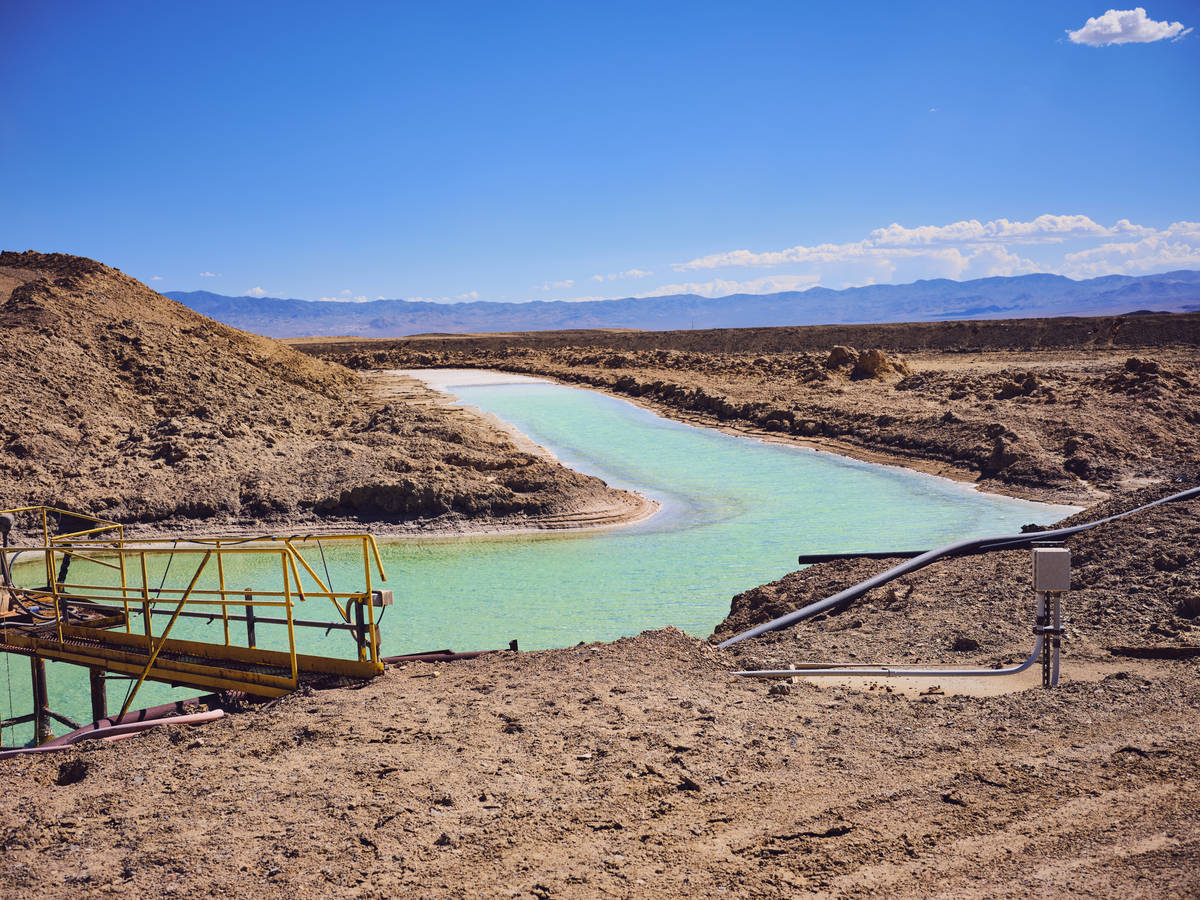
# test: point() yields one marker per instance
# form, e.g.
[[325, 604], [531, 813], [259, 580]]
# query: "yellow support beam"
[[162, 640]]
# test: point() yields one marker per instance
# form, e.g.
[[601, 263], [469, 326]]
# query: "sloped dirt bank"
[[128, 405]]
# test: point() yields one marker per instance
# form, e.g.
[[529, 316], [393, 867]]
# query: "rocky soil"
[[1067, 424], [128, 405], [636, 769]]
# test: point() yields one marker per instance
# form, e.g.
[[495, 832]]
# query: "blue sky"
[[566, 150]]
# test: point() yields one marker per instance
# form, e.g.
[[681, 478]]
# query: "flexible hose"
[[162, 711], [959, 548], [115, 730]]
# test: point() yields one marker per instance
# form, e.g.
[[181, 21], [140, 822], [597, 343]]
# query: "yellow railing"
[[43, 514], [133, 590]]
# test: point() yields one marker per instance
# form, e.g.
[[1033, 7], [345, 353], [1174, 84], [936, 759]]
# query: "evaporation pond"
[[735, 513]]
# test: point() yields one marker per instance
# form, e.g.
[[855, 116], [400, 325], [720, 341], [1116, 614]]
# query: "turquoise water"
[[735, 513]]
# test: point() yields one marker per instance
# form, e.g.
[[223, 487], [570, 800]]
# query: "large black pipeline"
[[960, 548]]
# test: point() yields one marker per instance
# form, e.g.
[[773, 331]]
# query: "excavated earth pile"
[[123, 403], [1066, 424]]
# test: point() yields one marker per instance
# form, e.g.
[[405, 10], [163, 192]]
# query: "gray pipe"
[[892, 671], [959, 548]]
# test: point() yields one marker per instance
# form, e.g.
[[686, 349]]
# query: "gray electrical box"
[[381, 598], [1051, 569]]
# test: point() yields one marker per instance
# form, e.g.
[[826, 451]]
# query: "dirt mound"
[[1133, 585], [867, 364], [127, 404]]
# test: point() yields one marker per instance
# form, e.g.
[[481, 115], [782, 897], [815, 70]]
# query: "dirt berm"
[[123, 403], [1064, 409]]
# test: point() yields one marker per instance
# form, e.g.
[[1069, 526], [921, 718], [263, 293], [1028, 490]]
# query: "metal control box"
[[381, 598], [1051, 569]]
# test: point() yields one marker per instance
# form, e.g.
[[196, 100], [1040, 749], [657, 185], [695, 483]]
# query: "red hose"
[[138, 715], [114, 730]]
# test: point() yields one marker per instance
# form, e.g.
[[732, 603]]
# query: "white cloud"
[[469, 295], [991, 261], [209, 275], [1043, 228], [555, 285], [1072, 245], [799, 254], [1125, 26], [720, 287], [256, 292], [1152, 254], [1189, 231], [897, 241], [156, 278], [620, 276]]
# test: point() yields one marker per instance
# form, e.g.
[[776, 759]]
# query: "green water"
[[735, 513]]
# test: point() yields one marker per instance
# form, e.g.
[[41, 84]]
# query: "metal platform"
[[123, 626]]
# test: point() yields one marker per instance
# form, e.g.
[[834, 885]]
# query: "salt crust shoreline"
[[444, 380], [441, 382]]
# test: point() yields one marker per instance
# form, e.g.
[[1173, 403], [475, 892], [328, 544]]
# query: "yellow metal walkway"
[[122, 624]]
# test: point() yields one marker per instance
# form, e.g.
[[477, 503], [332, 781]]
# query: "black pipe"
[[806, 559], [959, 548], [6, 524]]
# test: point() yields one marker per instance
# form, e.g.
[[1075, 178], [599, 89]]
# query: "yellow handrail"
[[132, 593]]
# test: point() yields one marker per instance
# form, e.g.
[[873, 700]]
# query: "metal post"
[[250, 619], [145, 602], [360, 629], [1056, 638], [41, 701], [99, 694], [1042, 622]]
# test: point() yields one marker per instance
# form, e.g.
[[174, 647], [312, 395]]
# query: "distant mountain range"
[[1022, 296]]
